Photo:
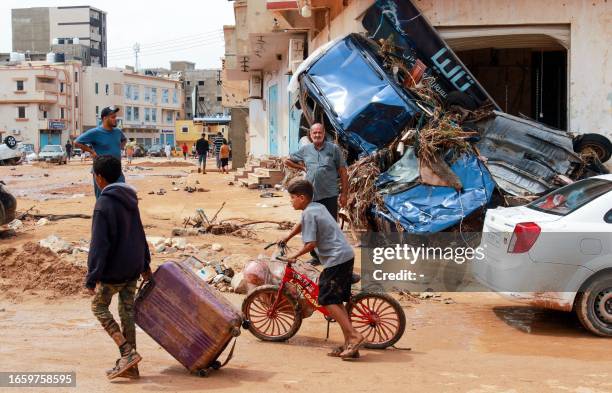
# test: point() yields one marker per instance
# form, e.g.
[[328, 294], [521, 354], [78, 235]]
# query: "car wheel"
[[594, 305], [10, 141], [597, 143]]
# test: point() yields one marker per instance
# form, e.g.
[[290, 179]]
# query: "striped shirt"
[[218, 141]]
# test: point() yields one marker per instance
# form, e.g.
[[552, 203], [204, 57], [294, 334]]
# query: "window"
[[169, 117], [128, 113], [567, 199], [200, 83], [147, 115], [106, 89], [96, 88], [61, 87], [136, 113], [164, 96], [61, 113], [174, 97], [154, 95], [97, 110], [608, 217], [185, 129], [136, 92], [76, 77], [128, 91], [21, 113], [76, 101], [19, 85], [188, 83], [147, 94], [154, 115], [201, 99], [219, 98], [45, 114]]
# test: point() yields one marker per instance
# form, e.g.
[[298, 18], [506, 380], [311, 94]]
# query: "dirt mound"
[[148, 164], [36, 267]]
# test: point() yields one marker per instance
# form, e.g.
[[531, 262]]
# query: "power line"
[[170, 42], [145, 53]]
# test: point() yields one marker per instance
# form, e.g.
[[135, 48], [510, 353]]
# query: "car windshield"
[[51, 149], [572, 197]]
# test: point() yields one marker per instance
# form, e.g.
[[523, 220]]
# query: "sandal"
[[338, 350], [352, 350]]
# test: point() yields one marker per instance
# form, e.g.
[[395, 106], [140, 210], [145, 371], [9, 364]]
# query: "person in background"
[[193, 151], [224, 154], [129, 150], [324, 164], [168, 150], [68, 149], [185, 150], [218, 141], [202, 148], [104, 140]]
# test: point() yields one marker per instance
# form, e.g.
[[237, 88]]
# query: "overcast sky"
[[166, 30]]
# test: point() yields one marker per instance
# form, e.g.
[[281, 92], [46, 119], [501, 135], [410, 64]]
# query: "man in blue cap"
[[106, 139]]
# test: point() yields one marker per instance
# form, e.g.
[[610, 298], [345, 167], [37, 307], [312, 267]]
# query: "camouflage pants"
[[101, 302]]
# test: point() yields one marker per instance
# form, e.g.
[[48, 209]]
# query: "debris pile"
[[33, 267], [240, 227]]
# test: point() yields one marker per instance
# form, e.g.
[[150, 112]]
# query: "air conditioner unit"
[[296, 54], [255, 85]]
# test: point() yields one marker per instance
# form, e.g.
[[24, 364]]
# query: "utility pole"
[[136, 48]]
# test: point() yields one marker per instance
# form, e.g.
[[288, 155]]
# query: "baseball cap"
[[108, 110]]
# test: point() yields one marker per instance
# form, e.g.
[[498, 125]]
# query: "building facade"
[[202, 89], [41, 103], [547, 60], [149, 105], [78, 31]]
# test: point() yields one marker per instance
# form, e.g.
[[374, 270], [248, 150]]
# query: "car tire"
[[593, 305], [596, 142], [10, 141]]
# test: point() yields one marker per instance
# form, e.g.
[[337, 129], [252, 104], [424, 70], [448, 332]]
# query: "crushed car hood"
[[525, 157]]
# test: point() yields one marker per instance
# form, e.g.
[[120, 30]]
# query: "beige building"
[[149, 105], [41, 103], [77, 31], [548, 59], [202, 89]]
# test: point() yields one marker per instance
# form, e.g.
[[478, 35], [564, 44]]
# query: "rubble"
[[15, 224], [41, 222], [216, 247], [56, 244]]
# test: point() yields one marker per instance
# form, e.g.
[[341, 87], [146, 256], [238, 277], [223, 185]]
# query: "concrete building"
[[548, 60], [79, 31], [202, 89], [41, 103], [150, 105]]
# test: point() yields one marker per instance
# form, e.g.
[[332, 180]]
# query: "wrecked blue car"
[[361, 87]]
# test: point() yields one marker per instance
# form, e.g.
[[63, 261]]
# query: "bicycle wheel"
[[278, 324], [379, 317]]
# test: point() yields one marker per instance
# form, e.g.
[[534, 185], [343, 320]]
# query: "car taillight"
[[524, 237]]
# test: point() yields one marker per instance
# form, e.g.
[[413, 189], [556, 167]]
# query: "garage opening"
[[524, 68]]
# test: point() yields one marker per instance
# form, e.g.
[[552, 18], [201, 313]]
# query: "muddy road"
[[476, 343]]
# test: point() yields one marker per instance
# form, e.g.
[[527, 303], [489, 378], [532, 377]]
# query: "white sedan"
[[555, 252]]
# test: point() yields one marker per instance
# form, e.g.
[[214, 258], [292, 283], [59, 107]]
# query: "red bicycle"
[[275, 314]]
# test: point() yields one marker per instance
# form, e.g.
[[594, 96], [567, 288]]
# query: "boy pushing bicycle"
[[320, 232]]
